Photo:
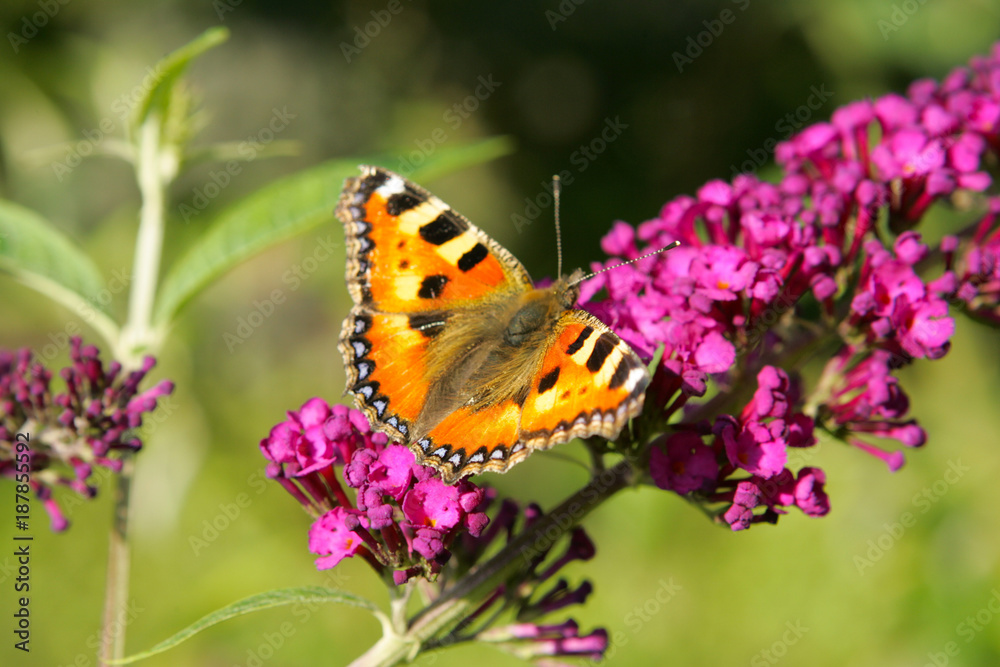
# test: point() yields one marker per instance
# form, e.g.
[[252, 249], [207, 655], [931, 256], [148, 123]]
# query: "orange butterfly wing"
[[590, 382], [410, 260], [414, 265], [471, 441], [409, 252]]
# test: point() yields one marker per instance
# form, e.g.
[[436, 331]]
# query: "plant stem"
[[445, 615], [137, 336], [112, 645]]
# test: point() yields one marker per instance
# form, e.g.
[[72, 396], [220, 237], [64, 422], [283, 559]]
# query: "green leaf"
[[278, 598], [168, 70], [236, 150], [453, 159], [40, 256], [280, 211]]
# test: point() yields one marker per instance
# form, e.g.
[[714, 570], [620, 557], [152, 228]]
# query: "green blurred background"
[[559, 83]]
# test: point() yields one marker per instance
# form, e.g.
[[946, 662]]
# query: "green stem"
[[116, 590], [154, 170], [443, 618], [138, 336]]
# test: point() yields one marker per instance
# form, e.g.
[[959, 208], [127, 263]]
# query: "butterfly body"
[[451, 349]]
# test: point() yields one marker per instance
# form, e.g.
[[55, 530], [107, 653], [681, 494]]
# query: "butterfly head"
[[567, 289]]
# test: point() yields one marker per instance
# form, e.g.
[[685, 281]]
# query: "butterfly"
[[452, 350]]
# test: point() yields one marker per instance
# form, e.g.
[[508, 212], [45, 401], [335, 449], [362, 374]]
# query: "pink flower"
[[408, 517], [925, 329], [895, 306], [682, 463], [809, 494], [332, 539], [758, 448], [316, 436], [894, 111], [392, 471], [721, 272], [432, 504], [868, 400], [772, 396], [714, 354], [746, 498]]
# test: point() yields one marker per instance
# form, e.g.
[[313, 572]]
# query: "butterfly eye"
[[570, 292]]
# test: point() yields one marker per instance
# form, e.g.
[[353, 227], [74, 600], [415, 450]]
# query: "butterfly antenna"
[[556, 189], [665, 248]]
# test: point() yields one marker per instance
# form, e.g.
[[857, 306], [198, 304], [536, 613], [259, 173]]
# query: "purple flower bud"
[[92, 419]]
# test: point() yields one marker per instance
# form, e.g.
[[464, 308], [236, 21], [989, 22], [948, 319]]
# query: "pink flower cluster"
[[71, 431], [404, 516], [403, 519], [978, 270], [754, 443], [825, 259], [895, 308], [867, 399]]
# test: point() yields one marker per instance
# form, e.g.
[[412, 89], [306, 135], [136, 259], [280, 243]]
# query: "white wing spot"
[[393, 186]]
